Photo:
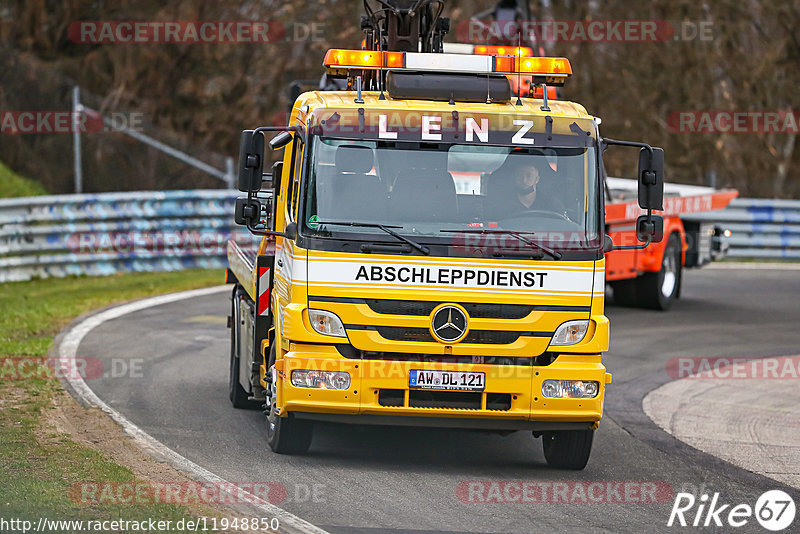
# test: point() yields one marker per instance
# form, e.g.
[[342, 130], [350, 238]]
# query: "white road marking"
[[68, 349]]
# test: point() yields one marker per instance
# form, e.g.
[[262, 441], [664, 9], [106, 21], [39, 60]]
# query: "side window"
[[297, 166]]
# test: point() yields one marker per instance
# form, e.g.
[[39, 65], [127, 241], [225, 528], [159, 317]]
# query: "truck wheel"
[[659, 290], [285, 435], [624, 292], [567, 449], [237, 394]]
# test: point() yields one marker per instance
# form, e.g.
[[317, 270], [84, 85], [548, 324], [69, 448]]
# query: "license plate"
[[460, 380]]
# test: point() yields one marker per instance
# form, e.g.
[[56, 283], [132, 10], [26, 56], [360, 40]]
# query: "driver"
[[516, 187], [526, 179]]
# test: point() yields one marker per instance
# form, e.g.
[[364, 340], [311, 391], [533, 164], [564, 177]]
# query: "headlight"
[[302, 378], [327, 323], [570, 389], [570, 333]]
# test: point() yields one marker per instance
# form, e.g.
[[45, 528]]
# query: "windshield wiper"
[[547, 250], [385, 227]]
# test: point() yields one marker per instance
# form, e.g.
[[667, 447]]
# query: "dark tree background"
[[198, 96]]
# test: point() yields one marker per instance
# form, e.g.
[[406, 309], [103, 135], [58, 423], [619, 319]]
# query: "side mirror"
[[291, 230], [247, 212], [650, 228], [251, 160], [651, 179], [608, 243], [280, 140]]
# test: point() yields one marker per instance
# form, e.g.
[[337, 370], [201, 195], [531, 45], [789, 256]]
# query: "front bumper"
[[511, 398]]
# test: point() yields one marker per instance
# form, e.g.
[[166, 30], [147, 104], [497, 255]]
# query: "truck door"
[[284, 250]]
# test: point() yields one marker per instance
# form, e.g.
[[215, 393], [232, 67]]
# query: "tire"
[[285, 435], [237, 394], [567, 449], [624, 292], [657, 291]]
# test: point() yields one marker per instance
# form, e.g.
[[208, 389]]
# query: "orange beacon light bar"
[[521, 51], [551, 67], [362, 59]]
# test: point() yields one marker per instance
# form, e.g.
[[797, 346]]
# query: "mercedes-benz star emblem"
[[449, 324]]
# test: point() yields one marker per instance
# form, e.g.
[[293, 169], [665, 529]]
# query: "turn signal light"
[[549, 66], [491, 50], [363, 59]]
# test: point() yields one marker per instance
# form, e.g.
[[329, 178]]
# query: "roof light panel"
[[465, 63], [421, 61]]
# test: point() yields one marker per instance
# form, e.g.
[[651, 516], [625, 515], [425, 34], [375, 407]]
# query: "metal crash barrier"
[[101, 234], [759, 228]]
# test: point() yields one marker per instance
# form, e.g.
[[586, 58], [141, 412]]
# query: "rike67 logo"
[[774, 510]]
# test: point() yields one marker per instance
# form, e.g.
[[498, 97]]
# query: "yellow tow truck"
[[432, 248]]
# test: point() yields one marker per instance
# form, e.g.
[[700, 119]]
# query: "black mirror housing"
[[650, 228], [280, 140], [251, 161], [651, 179], [608, 243], [247, 212], [291, 230]]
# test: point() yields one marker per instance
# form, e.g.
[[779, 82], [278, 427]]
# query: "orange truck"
[[651, 277]]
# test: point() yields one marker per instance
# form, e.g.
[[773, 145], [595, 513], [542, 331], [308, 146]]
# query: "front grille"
[[396, 333], [465, 400], [483, 337], [401, 307], [461, 400], [474, 309], [424, 307], [391, 397], [493, 337], [349, 351], [498, 401]]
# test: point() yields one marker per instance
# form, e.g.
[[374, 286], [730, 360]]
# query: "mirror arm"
[[646, 243], [617, 142], [632, 247], [258, 231], [266, 233], [276, 129]]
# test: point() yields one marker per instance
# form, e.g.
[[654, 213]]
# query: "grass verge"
[[14, 185], [38, 474]]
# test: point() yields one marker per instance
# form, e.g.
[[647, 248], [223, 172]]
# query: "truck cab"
[[432, 255]]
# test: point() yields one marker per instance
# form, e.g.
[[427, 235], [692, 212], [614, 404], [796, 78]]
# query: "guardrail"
[[759, 228], [105, 233], [172, 230]]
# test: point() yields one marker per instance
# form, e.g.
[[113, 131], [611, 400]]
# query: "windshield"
[[433, 191]]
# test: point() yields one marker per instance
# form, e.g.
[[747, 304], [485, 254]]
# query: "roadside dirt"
[[64, 418]]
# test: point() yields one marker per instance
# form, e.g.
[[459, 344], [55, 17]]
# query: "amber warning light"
[[554, 68]]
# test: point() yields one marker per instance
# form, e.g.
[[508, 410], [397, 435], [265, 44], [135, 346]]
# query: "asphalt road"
[[381, 479]]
